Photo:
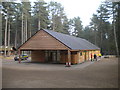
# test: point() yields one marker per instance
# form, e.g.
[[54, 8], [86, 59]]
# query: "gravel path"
[[97, 74]]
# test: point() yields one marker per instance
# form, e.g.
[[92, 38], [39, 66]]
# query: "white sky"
[[82, 8]]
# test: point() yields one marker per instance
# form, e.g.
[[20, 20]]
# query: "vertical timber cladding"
[[87, 55], [78, 56], [43, 41], [81, 57], [63, 56], [38, 56], [74, 57]]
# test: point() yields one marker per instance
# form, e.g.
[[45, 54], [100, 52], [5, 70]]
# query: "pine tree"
[[56, 15], [78, 27], [40, 15], [7, 15]]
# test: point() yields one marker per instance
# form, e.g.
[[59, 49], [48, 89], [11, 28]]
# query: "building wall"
[[76, 56], [63, 57], [37, 56], [83, 56], [87, 55], [43, 41]]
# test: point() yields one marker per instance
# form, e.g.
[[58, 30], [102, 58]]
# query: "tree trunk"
[[53, 19], [101, 41], [22, 31], [39, 18], [95, 32], [1, 29], [5, 40], [16, 38], [26, 29], [30, 30], [115, 37], [9, 39], [39, 24]]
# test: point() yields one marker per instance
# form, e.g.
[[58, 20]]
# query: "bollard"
[[68, 64]]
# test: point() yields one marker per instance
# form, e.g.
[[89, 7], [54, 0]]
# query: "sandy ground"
[[97, 74]]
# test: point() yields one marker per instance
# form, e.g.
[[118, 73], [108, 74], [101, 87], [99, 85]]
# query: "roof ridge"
[[72, 41], [63, 34]]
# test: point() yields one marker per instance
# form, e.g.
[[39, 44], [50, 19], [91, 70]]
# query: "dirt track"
[[100, 74]]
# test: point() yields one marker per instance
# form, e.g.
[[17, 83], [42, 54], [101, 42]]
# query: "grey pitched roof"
[[72, 42]]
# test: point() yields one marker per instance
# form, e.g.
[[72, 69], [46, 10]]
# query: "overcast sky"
[[82, 8]]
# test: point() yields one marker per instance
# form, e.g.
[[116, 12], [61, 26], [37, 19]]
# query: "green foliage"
[[51, 16], [100, 31], [66, 26], [40, 13], [76, 23], [59, 21]]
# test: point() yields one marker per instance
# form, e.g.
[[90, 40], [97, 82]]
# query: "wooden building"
[[50, 46]]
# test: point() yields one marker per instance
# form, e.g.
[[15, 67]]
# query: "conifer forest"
[[19, 21]]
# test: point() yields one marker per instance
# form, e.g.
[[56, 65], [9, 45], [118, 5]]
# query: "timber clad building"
[[50, 46]]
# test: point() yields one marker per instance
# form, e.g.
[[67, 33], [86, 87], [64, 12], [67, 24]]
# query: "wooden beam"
[[41, 49], [75, 50], [69, 56], [78, 57]]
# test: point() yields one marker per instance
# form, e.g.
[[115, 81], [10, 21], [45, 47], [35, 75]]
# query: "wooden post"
[[69, 58], [78, 57], [19, 53]]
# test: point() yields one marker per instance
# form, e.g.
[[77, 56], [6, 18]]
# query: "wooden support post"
[[88, 55], [19, 53], [69, 59], [78, 57], [69, 56]]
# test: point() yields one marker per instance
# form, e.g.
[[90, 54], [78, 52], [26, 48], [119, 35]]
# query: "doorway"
[[52, 56]]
